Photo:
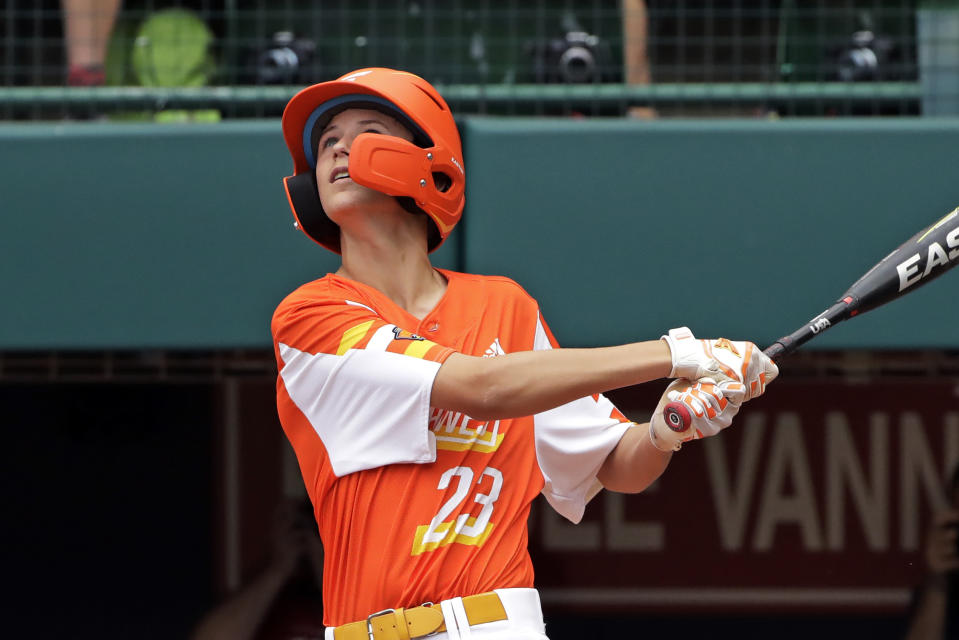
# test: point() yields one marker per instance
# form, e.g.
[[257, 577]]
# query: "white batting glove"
[[745, 362], [691, 359], [720, 359], [711, 408]]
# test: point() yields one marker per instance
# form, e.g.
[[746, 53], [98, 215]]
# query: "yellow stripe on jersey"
[[352, 336], [450, 536], [418, 348], [452, 443]]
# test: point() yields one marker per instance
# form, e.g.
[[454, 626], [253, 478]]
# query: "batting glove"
[[720, 359], [711, 407], [746, 362], [691, 359]]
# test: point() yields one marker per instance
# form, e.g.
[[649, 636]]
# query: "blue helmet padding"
[[330, 107]]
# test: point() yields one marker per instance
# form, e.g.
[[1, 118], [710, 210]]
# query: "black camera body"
[[577, 57], [865, 58], [286, 60]]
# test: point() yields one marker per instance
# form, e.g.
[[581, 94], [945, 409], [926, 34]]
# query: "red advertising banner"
[[817, 499]]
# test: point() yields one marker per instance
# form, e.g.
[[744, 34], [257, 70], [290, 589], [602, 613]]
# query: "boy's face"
[[336, 190]]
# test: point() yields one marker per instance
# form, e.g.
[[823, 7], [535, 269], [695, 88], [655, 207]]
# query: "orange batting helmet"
[[426, 175]]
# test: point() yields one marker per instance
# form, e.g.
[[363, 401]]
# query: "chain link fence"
[[212, 59]]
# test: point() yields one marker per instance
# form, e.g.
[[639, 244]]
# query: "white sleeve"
[[369, 407], [572, 442]]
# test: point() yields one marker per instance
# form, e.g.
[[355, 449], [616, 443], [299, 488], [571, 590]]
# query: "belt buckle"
[[369, 621]]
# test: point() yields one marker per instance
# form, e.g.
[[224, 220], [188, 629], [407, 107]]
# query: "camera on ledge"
[[577, 57], [869, 56], [864, 58], [285, 60]]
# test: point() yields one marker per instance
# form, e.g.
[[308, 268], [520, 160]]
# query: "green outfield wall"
[[118, 236]]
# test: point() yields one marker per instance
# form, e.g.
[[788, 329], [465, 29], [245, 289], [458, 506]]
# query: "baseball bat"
[[917, 261]]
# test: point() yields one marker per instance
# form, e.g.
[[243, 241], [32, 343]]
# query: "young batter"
[[428, 408]]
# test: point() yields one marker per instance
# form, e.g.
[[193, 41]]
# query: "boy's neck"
[[405, 276]]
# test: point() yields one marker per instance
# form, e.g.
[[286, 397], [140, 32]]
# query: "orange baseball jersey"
[[417, 504]]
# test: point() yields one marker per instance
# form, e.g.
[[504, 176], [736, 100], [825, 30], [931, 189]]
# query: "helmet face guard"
[[426, 175]]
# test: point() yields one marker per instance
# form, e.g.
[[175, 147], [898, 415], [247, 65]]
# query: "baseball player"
[[428, 408]]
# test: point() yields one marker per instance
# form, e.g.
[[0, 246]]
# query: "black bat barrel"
[[921, 259]]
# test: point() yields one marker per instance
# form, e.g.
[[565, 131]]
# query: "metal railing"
[[236, 58]]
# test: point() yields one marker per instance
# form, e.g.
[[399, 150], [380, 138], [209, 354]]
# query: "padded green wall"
[[179, 236], [167, 236], [739, 228]]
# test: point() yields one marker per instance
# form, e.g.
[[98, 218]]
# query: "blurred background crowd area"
[[245, 58]]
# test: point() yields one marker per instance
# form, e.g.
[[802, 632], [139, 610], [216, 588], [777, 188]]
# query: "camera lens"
[[277, 65], [859, 61], [577, 64]]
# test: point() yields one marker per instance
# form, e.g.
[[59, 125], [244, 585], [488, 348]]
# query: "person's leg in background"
[[87, 28]]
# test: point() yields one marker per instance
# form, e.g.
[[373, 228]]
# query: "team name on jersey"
[[456, 431]]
